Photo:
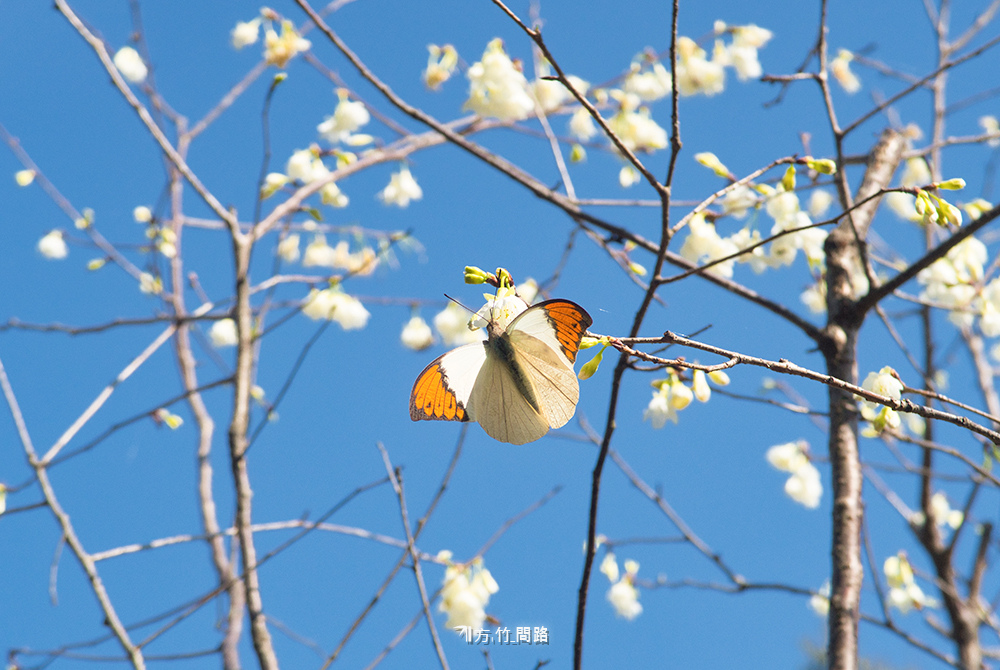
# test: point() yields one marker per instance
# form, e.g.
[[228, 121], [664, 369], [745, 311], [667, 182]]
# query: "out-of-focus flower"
[[53, 246], [223, 333], [440, 64], [887, 383], [704, 244], [840, 68], [245, 33], [819, 203], [991, 127], [452, 324], [622, 595], [497, 88], [551, 94], [402, 189], [416, 334], [804, 486], [648, 80], [941, 513], [171, 421], [288, 248], [581, 124], [465, 592], [149, 284], [142, 214], [695, 73], [904, 594], [335, 305], [635, 127], [347, 118], [278, 50], [24, 177], [129, 63], [820, 603]]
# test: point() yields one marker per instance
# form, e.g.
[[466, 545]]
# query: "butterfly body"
[[517, 384]]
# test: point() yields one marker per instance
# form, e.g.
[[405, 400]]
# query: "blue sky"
[[138, 485]]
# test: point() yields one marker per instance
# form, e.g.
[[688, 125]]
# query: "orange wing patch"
[[570, 322], [432, 399]]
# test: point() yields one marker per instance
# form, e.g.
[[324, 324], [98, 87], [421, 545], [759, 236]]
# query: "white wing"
[[442, 391], [501, 408], [553, 378], [546, 338]]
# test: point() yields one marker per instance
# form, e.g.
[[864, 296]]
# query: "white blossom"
[[245, 33], [53, 246], [497, 88], [623, 595], [288, 248], [223, 333], [129, 63], [452, 324], [695, 73], [820, 602], [416, 334], [278, 50], [336, 305], [402, 189], [804, 485], [840, 68], [348, 117], [440, 64], [465, 592]]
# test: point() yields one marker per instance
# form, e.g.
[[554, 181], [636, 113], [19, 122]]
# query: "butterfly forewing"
[[443, 389], [560, 324]]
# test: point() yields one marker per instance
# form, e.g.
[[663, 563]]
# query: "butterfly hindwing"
[[501, 408], [443, 389], [554, 383]]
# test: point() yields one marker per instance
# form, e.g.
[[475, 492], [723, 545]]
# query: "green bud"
[[956, 184], [474, 275], [822, 165], [590, 367], [788, 181]]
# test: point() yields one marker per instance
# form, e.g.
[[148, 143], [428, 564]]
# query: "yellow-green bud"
[[788, 181], [956, 184], [577, 154], [822, 165], [590, 367], [712, 162], [474, 275]]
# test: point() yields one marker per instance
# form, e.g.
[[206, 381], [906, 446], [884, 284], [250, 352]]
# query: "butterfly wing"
[[443, 390], [546, 339], [501, 407]]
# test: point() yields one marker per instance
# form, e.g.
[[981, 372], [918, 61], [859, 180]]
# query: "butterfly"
[[518, 383]]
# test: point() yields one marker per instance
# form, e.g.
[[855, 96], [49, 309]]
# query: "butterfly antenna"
[[460, 304]]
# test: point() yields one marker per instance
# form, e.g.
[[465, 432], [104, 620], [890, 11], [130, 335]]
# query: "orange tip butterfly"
[[518, 383]]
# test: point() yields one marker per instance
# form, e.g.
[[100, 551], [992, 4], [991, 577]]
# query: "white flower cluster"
[[671, 395], [335, 305], [820, 602], [465, 592], [941, 513], [497, 86], [955, 283], [622, 595], [804, 485], [904, 594], [884, 382]]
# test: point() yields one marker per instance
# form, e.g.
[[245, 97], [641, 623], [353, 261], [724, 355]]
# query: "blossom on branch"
[[497, 87]]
